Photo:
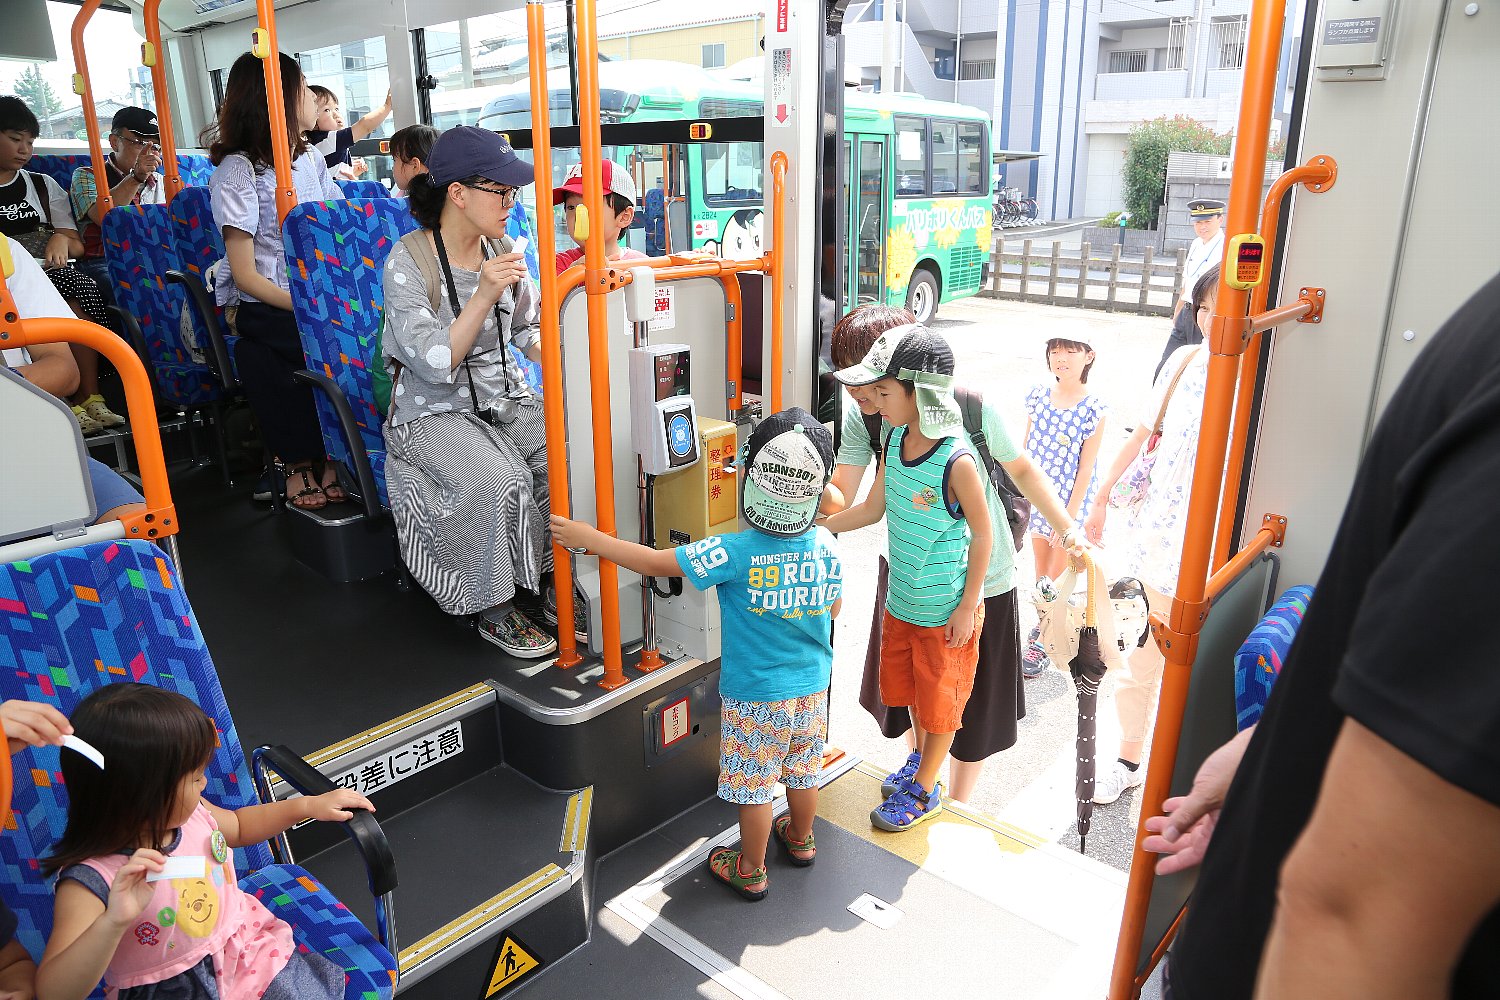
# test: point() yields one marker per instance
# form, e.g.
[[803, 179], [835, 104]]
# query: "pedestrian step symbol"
[[513, 962]]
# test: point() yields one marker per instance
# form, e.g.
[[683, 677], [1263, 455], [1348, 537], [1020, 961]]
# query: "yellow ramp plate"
[[513, 962]]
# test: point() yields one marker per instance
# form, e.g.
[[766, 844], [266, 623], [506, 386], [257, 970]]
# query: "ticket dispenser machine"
[[663, 420]]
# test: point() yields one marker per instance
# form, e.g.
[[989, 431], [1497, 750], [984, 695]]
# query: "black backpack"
[[971, 405]]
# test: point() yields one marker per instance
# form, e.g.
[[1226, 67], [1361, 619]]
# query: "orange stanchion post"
[[151, 57], [552, 394], [264, 45], [779, 166], [5, 778], [1316, 175], [85, 91], [595, 286], [734, 345], [1177, 632]]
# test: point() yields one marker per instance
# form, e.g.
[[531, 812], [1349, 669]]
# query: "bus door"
[[868, 219]]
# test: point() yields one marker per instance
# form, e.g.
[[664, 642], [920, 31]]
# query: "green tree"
[[1146, 161], [34, 89]]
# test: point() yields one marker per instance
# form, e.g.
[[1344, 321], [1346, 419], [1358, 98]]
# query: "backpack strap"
[[43, 196], [872, 428], [971, 406], [420, 248]]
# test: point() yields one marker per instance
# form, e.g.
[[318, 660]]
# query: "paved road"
[[999, 347]]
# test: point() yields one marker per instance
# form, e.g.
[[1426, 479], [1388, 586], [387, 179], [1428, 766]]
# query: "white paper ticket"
[[79, 746], [189, 866]]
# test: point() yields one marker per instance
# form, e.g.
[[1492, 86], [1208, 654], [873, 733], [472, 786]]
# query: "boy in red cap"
[[619, 211]]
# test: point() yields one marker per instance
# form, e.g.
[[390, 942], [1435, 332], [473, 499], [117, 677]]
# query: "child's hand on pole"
[[574, 535]]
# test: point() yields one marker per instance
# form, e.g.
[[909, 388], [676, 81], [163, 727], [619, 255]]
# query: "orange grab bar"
[[5, 778], [595, 278], [778, 271], [1178, 636], [552, 382], [1317, 175], [153, 59], [159, 519], [85, 91], [265, 47]]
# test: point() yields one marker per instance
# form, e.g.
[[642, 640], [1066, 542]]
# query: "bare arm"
[[1382, 891], [86, 932], [864, 514], [1036, 487], [968, 490], [17, 972], [639, 558], [370, 122], [1088, 456], [52, 369], [239, 248], [1094, 527], [254, 824], [846, 479]]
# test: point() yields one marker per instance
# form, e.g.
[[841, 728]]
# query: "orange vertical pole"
[[151, 56], [85, 90], [5, 780], [734, 344], [552, 383], [778, 272], [266, 49], [1177, 633], [596, 286]]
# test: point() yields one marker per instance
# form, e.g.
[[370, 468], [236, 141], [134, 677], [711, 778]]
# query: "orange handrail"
[[779, 166], [1317, 175], [159, 519], [151, 56], [552, 381], [5, 778], [265, 47], [1177, 633], [85, 90], [594, 286]]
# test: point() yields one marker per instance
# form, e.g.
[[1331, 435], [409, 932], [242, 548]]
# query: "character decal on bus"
[[742, 239]]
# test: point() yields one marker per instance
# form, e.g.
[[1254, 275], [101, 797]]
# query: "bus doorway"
[[869, 214]]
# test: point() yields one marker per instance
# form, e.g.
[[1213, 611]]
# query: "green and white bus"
[[917, 203]]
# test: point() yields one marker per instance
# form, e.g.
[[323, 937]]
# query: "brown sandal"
[[305, 498]]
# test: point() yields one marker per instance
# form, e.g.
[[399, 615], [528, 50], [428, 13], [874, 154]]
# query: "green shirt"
[[928, 539], [854, 449]]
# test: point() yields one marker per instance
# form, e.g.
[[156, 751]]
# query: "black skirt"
[[998, 700]]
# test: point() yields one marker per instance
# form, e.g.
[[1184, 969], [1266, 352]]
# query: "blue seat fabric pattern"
[[1259, 659], [192, 168], [199, 247], [516, 227], [363, 189], [114, 611]]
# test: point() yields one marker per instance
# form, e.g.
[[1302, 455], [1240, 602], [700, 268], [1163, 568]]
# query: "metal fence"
[[1064, 277]]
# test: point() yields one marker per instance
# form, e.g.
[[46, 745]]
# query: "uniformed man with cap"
[[1206, 251]]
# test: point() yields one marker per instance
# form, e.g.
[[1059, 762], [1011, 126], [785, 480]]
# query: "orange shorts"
[[919, 671]]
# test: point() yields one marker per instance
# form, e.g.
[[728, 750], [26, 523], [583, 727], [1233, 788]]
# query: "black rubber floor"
[[490, 832]]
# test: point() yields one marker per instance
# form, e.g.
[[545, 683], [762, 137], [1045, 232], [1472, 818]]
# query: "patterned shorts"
[[763, 742]]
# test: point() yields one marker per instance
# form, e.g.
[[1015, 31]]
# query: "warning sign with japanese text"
[[404, 760], [781, 88]]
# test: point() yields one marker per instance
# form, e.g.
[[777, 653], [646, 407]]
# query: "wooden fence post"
[[997, 259], [1052, 277], [1083, 272], [1025, 266], [1178, 274], [1147, 272], [1114, 279]]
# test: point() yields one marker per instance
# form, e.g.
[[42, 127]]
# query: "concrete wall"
[[1105, 190], [741, 40], [1166, 85]]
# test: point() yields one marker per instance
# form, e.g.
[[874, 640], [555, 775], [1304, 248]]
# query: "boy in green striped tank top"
[[931, 493]]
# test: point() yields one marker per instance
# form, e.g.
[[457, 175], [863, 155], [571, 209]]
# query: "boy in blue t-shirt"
[[779, 591]]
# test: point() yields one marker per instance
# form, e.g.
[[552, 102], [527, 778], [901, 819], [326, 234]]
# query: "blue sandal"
[[893, 781], [908, 807]]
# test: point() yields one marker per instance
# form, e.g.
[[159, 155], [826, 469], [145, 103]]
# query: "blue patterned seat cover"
[[140, 249], [335, 252], [113, 611], [363, 189], [200, 246], [1259, 660], [193, 168]]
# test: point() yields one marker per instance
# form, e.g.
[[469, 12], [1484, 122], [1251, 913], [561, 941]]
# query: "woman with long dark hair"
[[467, 448], [243, 192]]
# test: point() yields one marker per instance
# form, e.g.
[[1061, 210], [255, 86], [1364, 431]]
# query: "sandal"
[[893, 781], [908, 807], [311, 496], [724, 865], [783, 828], [333, 490]]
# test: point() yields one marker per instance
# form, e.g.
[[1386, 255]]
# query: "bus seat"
[[363, 189], [1259, 660], [518, 226], [82, 617], [193, 168], [335, 254], [199, 247]]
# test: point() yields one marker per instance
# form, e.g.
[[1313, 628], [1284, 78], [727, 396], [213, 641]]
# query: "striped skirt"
[[470, 504]]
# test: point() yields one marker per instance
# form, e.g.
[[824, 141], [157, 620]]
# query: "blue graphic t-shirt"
[[776, 599]]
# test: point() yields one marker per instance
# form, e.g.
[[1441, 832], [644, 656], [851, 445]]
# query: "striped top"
[[928, 537]]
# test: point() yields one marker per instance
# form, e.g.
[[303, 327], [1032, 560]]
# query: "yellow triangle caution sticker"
[[513, 962]]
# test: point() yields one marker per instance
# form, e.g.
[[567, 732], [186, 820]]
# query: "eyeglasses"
[[507, 195], [130, 140]]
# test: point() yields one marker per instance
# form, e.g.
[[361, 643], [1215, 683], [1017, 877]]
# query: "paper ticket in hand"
[[191, 866], [78, 746], [519, 245]]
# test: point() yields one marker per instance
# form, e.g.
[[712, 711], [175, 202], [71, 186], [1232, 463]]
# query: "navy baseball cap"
[[465, 151], [138, 120]]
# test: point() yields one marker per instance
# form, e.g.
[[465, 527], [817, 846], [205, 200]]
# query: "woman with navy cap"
[[467, 461]]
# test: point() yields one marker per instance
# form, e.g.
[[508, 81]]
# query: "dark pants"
[[269, 350], [1184, 332]]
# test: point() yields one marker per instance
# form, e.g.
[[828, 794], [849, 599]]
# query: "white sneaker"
[[1116, 781], [86, 423]]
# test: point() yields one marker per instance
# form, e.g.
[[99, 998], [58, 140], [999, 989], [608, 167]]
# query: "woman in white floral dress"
[[1149, 543]]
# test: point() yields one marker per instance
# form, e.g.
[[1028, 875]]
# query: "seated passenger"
[[51, 368], [243, 193], [34, 209], [410, 148], [619, 205], [467, 462], [131, 167]]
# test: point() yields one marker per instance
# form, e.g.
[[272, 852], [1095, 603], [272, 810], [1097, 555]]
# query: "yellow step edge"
[[386, 728], [575, 831], [455, 929]]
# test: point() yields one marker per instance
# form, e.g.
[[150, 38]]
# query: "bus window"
[[732, 173], [911, 156], [944, 157], [971, 157], [360, 75]]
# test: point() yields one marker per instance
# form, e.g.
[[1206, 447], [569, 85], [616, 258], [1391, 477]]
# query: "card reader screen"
[[673, 373]]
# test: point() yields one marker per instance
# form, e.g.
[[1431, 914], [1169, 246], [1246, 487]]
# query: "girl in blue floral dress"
[[1064, 425]]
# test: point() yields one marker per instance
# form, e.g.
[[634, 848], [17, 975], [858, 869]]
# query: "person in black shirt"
[[1357, 853]]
